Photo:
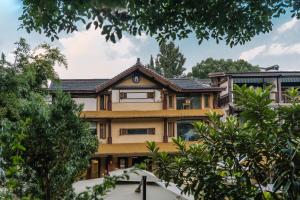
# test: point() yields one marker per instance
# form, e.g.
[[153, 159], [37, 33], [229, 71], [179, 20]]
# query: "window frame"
[[102, 130], [206, 100], [171, 103], [149, 131], [171, 126]]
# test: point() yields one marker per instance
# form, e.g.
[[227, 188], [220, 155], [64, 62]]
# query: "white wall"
[[90, 104], [224, 85], [115, 96]]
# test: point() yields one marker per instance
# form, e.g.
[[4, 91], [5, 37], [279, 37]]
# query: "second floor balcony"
[[149, 114]]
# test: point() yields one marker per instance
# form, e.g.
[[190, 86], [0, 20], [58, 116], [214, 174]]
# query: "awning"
[[135, 149], [248, 80], [148, 114], [290, 80]]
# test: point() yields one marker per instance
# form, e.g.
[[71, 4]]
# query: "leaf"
[[88, 25]]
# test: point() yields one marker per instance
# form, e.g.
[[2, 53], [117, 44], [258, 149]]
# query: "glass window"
[[102, 131], [171, 131], [196, 102], [171, 103], [93, 128], [188, 102], [122, 163], [206, 100], [139, 131], [102, 102], [185, 130]]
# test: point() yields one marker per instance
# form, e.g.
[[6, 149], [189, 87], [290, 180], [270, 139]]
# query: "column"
[[109, 138], [165, 100], [165, 137], [99, 167], [279, 90]]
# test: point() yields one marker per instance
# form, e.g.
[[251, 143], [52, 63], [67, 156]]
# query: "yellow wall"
[[136, 106], [136, 123]]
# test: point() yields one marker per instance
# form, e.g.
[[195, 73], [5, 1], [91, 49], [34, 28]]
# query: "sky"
[[90, 56]]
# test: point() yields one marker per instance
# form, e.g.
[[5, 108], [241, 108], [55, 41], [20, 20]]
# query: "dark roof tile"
[[77, 84]]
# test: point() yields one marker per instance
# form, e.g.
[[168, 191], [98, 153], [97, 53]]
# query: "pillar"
[[165, 137], [109, 138]]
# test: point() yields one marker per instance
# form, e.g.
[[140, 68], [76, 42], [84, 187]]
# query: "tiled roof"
[[256, 74], [77, 84], [187, 83], [92, 84]]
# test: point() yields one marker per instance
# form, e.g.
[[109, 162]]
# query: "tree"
[[236, 21], [45, 147], [169, 62], [202, 69], [238, 157], [151, 63]]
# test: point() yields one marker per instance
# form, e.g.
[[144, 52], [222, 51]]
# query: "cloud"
[[281, 49], [275, 49], [288, 25], [90, 56], [252, 53]]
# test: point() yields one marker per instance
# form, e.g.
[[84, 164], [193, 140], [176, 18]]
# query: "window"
[[139, 131], [102, 127], [150, 95], [137, 95], [188, 102], [123, 95], [171, 129], [171, 102], [206, 101], [93, 128], [186, 131], [122, 163], [102, 103]]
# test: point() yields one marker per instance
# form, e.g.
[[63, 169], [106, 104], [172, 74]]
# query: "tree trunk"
[[46, 189]]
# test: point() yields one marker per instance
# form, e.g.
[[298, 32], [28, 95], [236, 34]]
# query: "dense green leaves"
[[236, 21], [237, 158], [210, 65], [45, 147]]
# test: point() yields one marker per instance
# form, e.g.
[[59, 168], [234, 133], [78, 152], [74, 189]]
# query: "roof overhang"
[[143, 70]]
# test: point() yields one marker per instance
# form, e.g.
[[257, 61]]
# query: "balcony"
[[135, 149], [149, 114]]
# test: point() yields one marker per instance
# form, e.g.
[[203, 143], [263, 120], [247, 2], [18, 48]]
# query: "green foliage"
[[202, 69], [235, 158], [235, 21], [45, 147], [169, 62], [151, 63]]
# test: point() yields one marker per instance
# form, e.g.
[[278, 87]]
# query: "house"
[[136, 106], [280, 81]]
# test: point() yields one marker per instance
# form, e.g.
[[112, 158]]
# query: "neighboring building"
[[280, 80], [136, 106]]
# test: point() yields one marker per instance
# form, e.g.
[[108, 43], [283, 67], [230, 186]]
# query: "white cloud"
[[288, 25], [90, 56], [275, 49], [252, 53], [281, 49]]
